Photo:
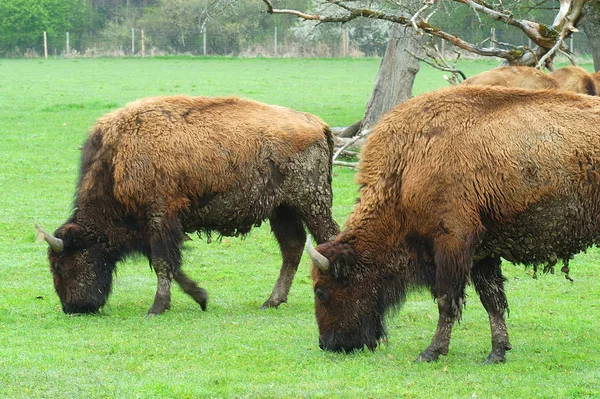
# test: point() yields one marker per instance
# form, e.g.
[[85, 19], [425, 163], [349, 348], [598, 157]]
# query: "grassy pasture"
[[234, 349]]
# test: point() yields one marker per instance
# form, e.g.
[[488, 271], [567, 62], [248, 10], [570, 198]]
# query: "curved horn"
[[318, 259], [56, 244]]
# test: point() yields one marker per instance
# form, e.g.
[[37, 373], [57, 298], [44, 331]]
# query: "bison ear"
[[72, 235]]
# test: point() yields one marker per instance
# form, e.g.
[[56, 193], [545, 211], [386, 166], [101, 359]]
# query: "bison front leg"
[[489, 284], [452, 262], [449, 311], [166, 236], [162, 299], [289, 232], [190, 287]]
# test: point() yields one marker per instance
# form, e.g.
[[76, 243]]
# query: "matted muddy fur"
[[161, 167], [513, 76], [451, 182]]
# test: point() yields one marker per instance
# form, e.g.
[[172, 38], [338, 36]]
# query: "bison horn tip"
[[318, 259], [56, 244]]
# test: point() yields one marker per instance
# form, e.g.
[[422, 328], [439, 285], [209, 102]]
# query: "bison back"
[[180, 149], [471, 161], [513, 76]]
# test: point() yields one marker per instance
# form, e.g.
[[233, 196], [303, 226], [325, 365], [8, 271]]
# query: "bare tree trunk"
[[591, 26], [396, 74]]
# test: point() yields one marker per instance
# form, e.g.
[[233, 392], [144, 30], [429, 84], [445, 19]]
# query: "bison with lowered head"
[[161, 167], [451, 182]]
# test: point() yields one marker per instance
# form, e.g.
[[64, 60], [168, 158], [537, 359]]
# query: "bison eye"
[[322, 294]]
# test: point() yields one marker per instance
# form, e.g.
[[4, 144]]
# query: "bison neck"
[[106, 224], [376, 239]]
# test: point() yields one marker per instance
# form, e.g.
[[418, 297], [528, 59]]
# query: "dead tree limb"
[[351, 130], [349, 143], [348, 164], [544, 36]]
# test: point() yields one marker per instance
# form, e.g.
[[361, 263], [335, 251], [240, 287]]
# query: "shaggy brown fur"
[[575, 79], [164, 166], [513, 76], [596, 78], [451, 182]]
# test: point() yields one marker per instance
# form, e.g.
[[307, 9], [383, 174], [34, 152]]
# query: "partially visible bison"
[[161, 167], [513, 76], [451, 182], [596, 78], [575, 79]]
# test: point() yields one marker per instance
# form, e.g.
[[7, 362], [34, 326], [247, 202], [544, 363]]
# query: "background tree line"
[[103, 27]]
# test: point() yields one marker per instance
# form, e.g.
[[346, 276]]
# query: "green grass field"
[[234, 349]]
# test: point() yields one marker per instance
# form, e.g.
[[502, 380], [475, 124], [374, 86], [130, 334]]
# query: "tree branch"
[[548, 38], [349, 164], [349, 143], [436, 65]]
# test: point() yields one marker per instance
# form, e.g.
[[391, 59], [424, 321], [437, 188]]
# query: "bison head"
[[82, 276], [347, 306]]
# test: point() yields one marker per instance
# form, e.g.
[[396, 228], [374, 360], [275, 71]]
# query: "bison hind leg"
[[288, 229], [489, 284], [190, 287]]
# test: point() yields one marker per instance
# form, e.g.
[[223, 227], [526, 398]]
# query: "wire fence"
[[139, 44]]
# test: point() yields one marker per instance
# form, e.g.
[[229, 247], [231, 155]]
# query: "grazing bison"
[[575, 79], [451, 182], [161, 167], [513, 76]]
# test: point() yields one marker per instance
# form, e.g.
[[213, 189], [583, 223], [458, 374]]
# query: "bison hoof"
[[201, 297], [152, 313], [495, 357], [271, 304], [427, 356], [156, 310]]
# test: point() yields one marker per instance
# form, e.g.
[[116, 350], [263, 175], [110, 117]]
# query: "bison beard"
[[451, 182], [166, 166]]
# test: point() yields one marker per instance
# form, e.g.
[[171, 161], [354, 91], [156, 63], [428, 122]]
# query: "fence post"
[[443, 48], [132, 41], [275, 41], [68, 48], [344, 39], [204, 40], [143, 44], [45, 46], [571, 46]]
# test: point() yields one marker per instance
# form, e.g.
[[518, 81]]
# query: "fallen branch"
[[349, 143], [348, 164], [352, 130]]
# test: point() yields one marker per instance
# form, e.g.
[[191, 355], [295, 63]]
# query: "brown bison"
[[513, 76], [161, 167], [575, 79], [451, 182]]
